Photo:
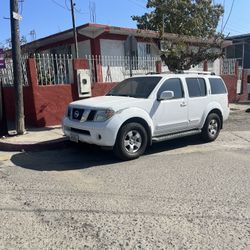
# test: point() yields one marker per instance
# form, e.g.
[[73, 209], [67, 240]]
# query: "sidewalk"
[[239, 107], [35, 139], [53, 138]]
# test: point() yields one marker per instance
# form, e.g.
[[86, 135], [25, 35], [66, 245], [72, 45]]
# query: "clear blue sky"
[[47, 17]]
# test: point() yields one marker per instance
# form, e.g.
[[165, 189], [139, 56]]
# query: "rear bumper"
[[226, 114]]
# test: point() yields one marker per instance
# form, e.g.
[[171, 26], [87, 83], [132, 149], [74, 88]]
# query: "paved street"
[[181, 195]]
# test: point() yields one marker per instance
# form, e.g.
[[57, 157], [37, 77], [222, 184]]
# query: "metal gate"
[[6, 74]]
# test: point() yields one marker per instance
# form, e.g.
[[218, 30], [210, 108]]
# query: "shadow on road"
[[75, 156], [81, 156], [174, 144]]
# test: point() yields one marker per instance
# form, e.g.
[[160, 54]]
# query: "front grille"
[[81, 115], [77, 114]]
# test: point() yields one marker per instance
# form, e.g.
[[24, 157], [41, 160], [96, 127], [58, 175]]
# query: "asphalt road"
[[181, 195]]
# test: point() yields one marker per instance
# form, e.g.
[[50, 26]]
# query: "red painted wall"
[[9, 103], [100, 89], [231, 83], [51, 103], [45, 105]]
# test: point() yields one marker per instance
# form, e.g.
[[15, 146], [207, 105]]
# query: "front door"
[[171, 115]]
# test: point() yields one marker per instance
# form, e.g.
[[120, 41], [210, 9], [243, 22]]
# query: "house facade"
[[105, 46], [97, 39], [239, 50], [107, 55]]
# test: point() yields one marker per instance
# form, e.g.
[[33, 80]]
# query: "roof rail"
[[196, 72], [152, 73]]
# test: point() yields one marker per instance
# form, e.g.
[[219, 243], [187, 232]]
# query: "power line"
[[21, 6], [92, 12], [65, 1], [66, 7], [137, 4], [58, 4], [222, 21], [230, 12]]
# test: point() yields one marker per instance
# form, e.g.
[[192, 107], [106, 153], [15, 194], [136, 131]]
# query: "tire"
[[131, 141], [211, 128]]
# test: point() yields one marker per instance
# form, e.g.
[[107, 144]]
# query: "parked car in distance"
[[151, 108]]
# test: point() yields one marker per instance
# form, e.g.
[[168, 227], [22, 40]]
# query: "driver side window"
[[173, 84]]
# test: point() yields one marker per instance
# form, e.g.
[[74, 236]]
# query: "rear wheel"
[[131, 141], [211, 128]]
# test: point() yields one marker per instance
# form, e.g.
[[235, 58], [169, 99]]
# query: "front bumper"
[[98, 133]]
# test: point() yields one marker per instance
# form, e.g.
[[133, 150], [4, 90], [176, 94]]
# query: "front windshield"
[[139, 87]]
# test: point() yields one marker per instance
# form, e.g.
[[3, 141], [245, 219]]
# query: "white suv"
[[151, 108]]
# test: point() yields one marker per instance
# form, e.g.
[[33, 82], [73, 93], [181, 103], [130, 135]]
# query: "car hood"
[[113, 102]]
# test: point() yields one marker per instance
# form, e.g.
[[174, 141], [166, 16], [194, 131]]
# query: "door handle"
[[183, 104]]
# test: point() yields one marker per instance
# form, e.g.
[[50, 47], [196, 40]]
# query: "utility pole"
[[3, 122], [130, 56], [17, 69], [74, 26]]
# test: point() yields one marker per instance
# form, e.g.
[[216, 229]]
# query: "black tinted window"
[[217, 86], [174, 85], [139, 87], [196, 87]]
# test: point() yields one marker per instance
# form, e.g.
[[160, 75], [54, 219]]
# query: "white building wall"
[[142, 51], [215, 66], [112, 47], [141, 47], [83, 49], [112, 70]]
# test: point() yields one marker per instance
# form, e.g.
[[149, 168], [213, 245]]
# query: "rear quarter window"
[[217, 86], [196, 87]]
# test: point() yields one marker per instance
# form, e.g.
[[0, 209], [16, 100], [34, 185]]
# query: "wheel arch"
[[141, 121], [219, 113]]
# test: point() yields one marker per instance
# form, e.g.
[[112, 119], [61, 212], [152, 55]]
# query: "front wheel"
[[211, 128], [131, 141]]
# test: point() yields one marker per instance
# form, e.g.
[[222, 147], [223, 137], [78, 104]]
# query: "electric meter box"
[[84, 83]]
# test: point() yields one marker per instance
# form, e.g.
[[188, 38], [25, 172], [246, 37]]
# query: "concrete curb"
[[34, 146]]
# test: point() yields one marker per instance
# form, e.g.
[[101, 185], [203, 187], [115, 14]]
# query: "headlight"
[[103, 115]]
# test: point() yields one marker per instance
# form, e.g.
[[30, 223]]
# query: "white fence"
[[6, 75], [58, 69], [118, 68], [54, 69], [228, 66]]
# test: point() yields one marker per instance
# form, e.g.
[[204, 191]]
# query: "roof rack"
[[183, 72], [195, 72], [152, 73]]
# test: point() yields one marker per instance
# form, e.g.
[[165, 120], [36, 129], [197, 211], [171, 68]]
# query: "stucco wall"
[[112, 47], [83, 49], [112, 69], [141, 46]]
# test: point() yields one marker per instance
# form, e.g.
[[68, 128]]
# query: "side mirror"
[[166, 95]]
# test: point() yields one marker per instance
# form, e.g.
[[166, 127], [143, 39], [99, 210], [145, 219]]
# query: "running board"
[[176, 135]]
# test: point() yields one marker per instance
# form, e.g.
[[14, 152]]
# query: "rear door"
[[197, 103]]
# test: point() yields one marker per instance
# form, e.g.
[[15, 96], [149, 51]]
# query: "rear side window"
[[217, 86], [174, 85], [196, 87]]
